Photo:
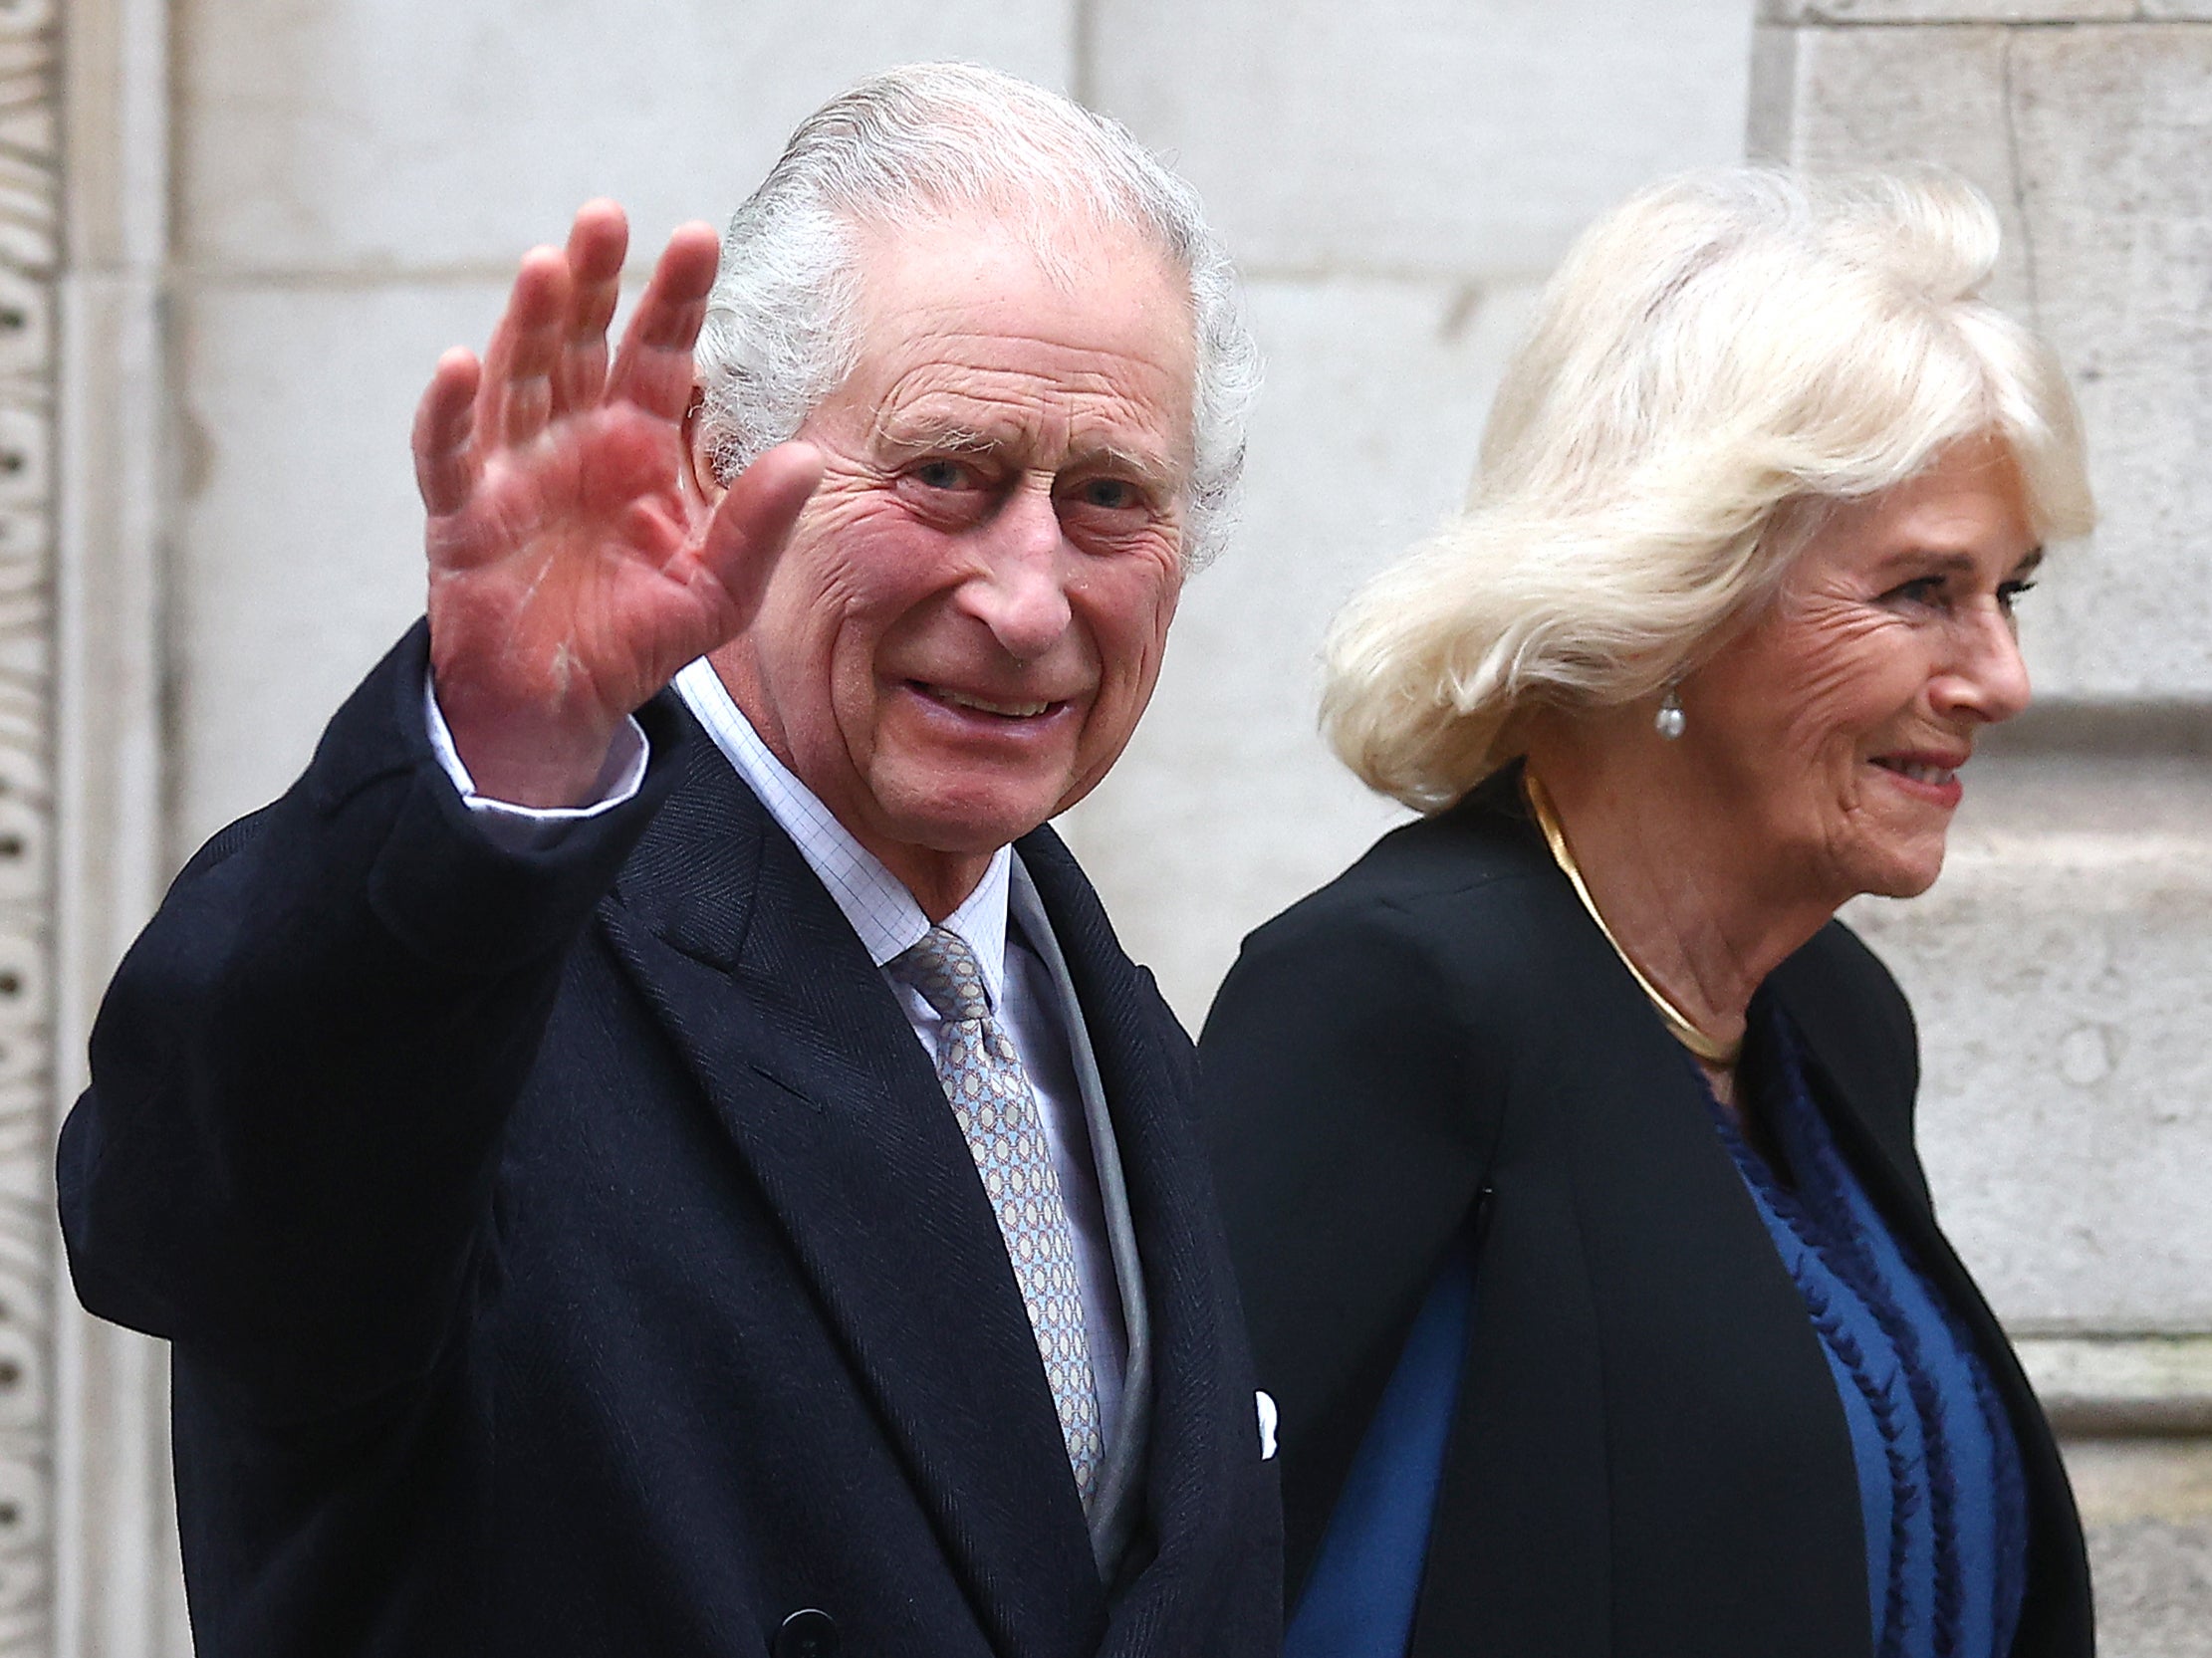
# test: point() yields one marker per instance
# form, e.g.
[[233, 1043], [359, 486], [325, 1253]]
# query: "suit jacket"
[[571, 1252], [1648, 1456]]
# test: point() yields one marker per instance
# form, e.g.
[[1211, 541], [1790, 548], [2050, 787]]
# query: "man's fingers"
[[597, 241], [653, 367], [514, 396], [443, 420], [753, 521]]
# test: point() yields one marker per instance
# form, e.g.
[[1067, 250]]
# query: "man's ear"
[[696, 469]]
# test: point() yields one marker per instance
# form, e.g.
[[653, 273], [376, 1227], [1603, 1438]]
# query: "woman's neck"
[[1681, 881]]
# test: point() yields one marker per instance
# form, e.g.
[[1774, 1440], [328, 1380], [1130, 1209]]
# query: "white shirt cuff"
[[525, 828]]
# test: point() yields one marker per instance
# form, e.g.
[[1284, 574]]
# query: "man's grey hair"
[[911, 144]]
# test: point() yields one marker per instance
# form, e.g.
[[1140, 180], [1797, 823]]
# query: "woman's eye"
[[2008, 594], [1922, 590]]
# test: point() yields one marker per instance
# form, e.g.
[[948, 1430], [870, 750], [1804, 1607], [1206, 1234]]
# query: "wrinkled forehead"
[[967, 328], [1080, 259], [1062, 217]]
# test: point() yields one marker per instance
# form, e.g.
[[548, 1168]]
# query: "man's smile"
[[1009, 710]]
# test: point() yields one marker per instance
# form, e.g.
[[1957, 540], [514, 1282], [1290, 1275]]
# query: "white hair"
[[911, 144], [1717, 359]]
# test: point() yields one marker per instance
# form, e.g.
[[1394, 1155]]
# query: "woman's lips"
[[1932, 777]]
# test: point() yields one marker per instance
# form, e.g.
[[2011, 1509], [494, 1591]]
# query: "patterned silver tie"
[[997, 1112]]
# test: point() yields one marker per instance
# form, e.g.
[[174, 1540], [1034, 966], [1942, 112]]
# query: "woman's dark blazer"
[[1648, 1458]]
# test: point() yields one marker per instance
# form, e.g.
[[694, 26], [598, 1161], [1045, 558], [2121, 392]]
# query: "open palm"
[[573, 570]]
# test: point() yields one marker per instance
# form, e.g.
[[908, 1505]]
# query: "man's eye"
[[1109, 493], [943, 474]]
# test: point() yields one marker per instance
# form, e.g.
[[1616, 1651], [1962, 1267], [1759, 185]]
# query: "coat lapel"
[[1204, 1419], [1871, 1122], [1115, 1503], [813, 1071], [1724, 1448]]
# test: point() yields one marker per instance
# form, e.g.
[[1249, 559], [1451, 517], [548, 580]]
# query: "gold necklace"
[[1710, 1049]]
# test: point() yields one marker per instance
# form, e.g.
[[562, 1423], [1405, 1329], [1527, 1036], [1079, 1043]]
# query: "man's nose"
[[1988, 678], [1021, 593]]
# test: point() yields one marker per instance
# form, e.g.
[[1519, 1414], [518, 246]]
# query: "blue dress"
[[1359, 1598], [1939, 1477], [1940, 1486]]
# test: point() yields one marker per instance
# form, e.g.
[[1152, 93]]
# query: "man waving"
[[650, 1147]]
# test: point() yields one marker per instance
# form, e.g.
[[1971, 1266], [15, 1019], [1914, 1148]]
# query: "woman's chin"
[[1903, 876]]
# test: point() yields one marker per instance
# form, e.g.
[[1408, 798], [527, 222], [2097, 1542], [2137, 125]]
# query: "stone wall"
[[1398, 180], [2062, 967], [29, 257], [280, 211]]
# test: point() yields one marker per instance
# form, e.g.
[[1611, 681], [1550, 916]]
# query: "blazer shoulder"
[[1385, 1001], [1439, 912]]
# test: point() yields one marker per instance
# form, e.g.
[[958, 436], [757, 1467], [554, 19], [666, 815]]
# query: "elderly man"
[[649, 1148]]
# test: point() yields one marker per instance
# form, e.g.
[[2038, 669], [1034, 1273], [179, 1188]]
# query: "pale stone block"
[[1840, 98], [416, 134], [1228, 806], [2093, 1384], [1949, 10], [2146, 1504], [1436, 134], [2176, 10], [301, 553], [2087, 141], [2059, 972], [2113, 125]]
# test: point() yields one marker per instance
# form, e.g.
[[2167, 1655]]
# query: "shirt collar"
[[883, 912]]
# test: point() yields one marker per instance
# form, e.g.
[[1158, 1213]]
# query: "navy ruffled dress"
[[1939, 1477]]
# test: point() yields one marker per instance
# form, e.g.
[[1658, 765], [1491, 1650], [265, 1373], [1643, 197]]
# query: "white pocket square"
[[1268, 1416]]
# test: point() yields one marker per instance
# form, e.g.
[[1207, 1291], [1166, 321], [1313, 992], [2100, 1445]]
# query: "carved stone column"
[[28, 259], [110, 1586]]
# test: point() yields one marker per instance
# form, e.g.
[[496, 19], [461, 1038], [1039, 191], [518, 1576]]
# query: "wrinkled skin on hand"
[[574, 566]]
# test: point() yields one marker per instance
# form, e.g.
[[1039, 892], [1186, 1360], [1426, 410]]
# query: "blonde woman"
[[1565, 1139]]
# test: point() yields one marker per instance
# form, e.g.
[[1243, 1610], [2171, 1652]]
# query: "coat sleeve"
[[1352, 1104], [301, 1070]]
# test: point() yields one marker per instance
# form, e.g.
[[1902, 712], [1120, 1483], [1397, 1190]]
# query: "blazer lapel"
[[814, 1073], [1725, 1446], [2057, 1577]]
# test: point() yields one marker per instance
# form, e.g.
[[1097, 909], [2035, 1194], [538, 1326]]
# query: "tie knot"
[[945, 971]]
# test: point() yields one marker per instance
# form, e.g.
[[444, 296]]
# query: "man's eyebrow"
[[1156, 471], [912, 435], [904, 434]]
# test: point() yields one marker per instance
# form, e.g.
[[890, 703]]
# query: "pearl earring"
[[1670, 721]]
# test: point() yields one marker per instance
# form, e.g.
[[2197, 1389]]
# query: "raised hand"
[[573, 570]]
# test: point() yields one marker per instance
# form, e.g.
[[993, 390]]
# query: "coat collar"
[[1204, 1429], [1867, 1087]]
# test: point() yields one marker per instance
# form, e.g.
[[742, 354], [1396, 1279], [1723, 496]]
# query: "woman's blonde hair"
[[1716, 359]]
